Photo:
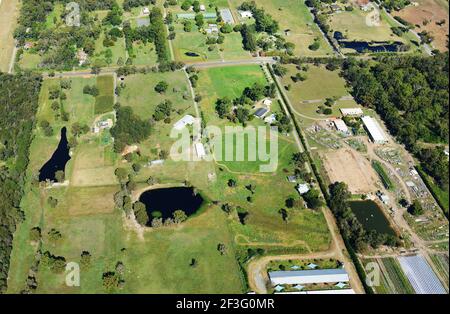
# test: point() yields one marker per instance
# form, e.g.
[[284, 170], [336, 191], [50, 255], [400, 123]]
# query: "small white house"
[[145, 11], [267, 102], [246, 14], [202, 7], [303, 188], [351, 112]]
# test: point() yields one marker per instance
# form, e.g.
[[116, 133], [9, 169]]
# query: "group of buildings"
[[373, 128]]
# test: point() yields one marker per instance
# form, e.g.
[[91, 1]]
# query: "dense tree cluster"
[[19, 99], [411, 95], [129, 4], [159, 35], [129, 129]]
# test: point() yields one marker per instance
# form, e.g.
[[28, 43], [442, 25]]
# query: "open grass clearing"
[[9, 11]]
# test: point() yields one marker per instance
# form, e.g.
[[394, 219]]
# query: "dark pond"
[[192, 54], [370, 215], [362, 46], [58, 160], [164, 202]]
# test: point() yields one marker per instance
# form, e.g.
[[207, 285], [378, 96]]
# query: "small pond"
[[191, 54], [370, 215], [164, 202], [362, 46], [58, 160]]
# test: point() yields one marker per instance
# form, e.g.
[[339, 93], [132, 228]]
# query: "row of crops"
[[392, 280]]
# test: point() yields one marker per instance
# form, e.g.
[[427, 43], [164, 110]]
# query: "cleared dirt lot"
[[430, 12], [9, 10], [346, 165]]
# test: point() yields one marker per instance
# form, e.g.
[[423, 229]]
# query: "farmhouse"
[[356, 112], [226, 15], [294, 277], [376, 133], [145, 11], [261, 112], [186, 120], [246, 14], [341, 126]]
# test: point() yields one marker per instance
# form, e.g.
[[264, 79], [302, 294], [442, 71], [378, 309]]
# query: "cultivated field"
[[427, 16], [392, 280], [347, 166]]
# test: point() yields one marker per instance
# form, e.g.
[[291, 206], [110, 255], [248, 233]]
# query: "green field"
[[307, 96], [353, 26], [294, 15], [105, 100], [230, 81]]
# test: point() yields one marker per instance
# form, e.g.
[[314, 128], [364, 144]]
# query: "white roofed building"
[[356, 112], [295, 277], [186, 120], [376, 133], [341, 126], [246, 14], [200, 150]]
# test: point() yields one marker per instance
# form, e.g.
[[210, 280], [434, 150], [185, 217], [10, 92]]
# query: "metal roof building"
[[340, 125], [308, 276], [376, 133], [226, 15], [334, 291], [186, 120]]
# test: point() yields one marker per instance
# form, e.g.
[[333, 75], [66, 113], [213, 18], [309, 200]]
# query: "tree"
[[221, 248], [121, 174], [232, 183], [140, 212], [312, 198], [279, 70], [35, 234], [161, 87], [199, 20], [60, 176], [85, 260], [179, 216], [416, 208], [223, 106], [52, 202], [54, 235], [110, 280]]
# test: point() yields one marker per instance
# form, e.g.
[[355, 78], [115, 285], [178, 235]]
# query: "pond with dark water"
[[192, 54], [371, 216], [58, 160], [364, 46], [162, 203]]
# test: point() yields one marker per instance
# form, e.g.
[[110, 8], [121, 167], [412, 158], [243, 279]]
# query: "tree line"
[[19, 101]]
